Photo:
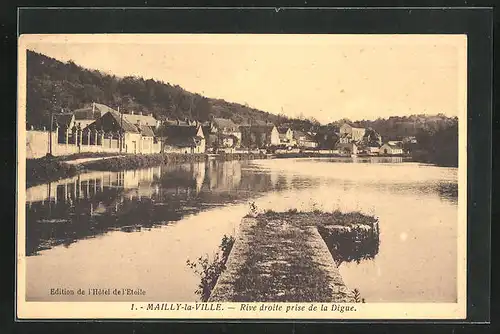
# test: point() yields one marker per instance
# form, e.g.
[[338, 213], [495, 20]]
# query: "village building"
[[326, 138], [142, 119], [286, 136], [373, 150], [178, 138], [259, 136], [88, 115], [118, 132], [347, 148], [304, 139], [410, 140], [391, 149], [64, 123], [227, 133], [210, 133], [148, 139], [345, 138], [372, 138], [353, 133]]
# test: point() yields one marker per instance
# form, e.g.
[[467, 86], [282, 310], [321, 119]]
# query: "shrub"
[[209, 271]]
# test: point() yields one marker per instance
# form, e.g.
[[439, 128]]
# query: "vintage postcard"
[[240, 176]]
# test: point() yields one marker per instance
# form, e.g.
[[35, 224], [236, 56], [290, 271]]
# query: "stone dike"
[[294, 257]]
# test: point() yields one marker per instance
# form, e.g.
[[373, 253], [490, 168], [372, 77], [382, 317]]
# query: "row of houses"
[[99, 128]]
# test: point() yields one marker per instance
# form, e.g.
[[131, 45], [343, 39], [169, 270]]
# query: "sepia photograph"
[[242, 176]]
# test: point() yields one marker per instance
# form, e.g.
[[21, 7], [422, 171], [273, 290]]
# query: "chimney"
[[131, 112], [93, 107]]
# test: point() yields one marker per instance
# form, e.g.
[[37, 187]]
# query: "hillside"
[[53, 85]]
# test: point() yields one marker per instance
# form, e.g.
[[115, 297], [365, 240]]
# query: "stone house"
[[356, 134], [259, 136]]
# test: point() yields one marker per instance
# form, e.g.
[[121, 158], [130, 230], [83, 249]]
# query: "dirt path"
[[277, 259], [83, 160]]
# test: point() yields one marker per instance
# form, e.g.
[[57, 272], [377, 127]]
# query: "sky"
[[328, 77]]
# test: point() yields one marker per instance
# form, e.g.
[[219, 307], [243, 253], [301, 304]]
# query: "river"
[[136, 229]]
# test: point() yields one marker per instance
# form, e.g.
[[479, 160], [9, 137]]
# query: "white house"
[[390, 149], [356, 134], [286, 136]]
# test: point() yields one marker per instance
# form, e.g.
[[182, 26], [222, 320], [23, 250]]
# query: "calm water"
[[136, 229]]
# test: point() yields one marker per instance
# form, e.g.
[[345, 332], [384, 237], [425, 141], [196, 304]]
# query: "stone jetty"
[[282, 257]]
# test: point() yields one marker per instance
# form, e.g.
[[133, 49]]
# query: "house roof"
[[224, 123], [146, 131], [91, 113], [175, 122], [86, 114], [122, 122], [391, 145], [144, 119], [64, 119], [283, 130], [351, 125], [179, 131], [265, 128], [299, 134], [182, 142], [181, 135]]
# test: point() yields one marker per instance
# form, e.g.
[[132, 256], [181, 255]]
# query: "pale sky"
[[328, 77]]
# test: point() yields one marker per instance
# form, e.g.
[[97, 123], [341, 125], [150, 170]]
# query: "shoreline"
[[50, 169]]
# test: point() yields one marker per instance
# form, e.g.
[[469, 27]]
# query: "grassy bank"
[[307, 155], [48, 169], [141, 161], [85, 155], [443, 159], [282, 257]]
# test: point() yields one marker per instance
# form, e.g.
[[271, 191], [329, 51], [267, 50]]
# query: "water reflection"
[[142, 225], [352, 244], [93, 203]]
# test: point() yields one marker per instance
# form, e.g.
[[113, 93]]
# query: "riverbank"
[[49, 169], [288, 257], [445, 159]]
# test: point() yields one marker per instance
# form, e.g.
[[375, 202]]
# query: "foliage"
[[439, 145], [47, 169], [209, 271], [357, 296], [53, 85], [398, 127], [253, 210]]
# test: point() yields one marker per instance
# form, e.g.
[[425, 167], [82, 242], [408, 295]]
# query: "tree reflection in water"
[[352, 243], [91, 204]]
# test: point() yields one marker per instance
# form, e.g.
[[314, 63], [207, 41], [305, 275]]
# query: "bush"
[[47, 169], [209, 271]]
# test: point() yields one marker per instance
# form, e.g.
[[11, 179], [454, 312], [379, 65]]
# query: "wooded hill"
[[53, 85]]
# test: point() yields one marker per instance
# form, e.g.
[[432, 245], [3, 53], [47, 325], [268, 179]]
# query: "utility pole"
[[121, 129], [50, 135]]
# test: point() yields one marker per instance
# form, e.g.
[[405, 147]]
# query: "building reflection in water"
[[93, 203]]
